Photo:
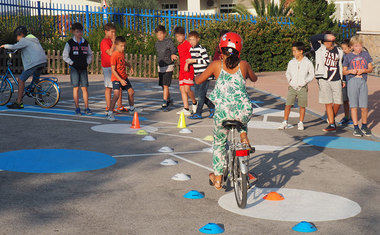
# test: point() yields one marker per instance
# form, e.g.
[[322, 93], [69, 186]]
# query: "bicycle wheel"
[[46, 94], [5, 91], [240, 184]]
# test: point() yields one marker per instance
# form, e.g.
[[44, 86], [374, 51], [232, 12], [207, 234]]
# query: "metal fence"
[[61, 16]]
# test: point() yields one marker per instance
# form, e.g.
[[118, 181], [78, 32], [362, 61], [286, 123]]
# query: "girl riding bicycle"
[[229, 96]]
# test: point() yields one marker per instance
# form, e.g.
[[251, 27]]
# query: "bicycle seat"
[[229, 124]]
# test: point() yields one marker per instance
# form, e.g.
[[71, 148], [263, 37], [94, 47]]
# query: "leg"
[[116, 93], [302, 113], [191, 94], [354, 115], [85, 96], [75, 96], [119, 101], [336, 109], [219, 147], [287, 112], [166, 94], [21, 87], [364, 115], [346, 107], [330, 113], [131, 98], [201, 95], [108, 85], [184, 97], [108, 95]]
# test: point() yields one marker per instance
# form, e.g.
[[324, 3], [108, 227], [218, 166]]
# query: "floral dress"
[[231, 103]]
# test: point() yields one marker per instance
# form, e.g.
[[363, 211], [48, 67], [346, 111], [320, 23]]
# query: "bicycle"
[[44, 90], [236, 168]]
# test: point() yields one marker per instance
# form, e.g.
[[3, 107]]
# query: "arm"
[[65, 55], [114, 72], [287, 74], [112, 48], [207, 73], [20, 45], [369, 70], [173, 50], [250, 74], [90, 55], [351, 71], [310, 75], [315, 41]]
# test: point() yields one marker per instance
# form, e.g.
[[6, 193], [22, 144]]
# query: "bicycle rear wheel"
[[46, 94], [240, 182], [5, 91]]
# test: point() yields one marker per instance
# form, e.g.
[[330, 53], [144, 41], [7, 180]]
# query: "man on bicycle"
[[33, 59]]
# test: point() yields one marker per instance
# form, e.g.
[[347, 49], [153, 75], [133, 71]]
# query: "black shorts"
[[116, 85], [165, 79]]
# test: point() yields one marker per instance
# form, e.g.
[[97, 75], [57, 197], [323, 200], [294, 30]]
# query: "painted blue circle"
[[337, 142], [54, 161]]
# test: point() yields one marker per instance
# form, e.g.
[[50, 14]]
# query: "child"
[[107, 47], [229, 96], [346, 119], [185, 77], [78, 54], [33, 59], [328, 71], [166, 53], [119, 77], [356, 67], [200, 61], [299, 73]]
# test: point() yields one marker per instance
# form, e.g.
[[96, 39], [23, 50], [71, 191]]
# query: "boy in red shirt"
[[119, 77], [186, 73], [107, 47]]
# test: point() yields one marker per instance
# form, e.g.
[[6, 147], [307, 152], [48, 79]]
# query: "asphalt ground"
[[136, 195]]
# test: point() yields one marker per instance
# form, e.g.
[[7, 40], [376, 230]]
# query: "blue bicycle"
[[45, 90]]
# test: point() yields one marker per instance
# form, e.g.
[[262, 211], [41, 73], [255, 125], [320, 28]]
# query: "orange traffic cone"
[[135, 122], [274, 196]]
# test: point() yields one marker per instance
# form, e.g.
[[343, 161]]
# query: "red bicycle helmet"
[[232, 40]]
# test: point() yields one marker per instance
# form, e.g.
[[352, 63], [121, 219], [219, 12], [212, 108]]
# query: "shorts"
[[35, 71], [107, 73], [186, 78], [330, 92], [301, 95], [116, 85], [344, 93], [165, 79], [78, 77], [357, 91]]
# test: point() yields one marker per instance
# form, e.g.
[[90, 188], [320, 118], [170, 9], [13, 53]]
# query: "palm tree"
[[265, 9]]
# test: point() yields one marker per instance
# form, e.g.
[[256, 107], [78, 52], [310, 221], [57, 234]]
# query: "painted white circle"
[[121, 128], [299, 205], [264, 125], [268, 148], [273, 112]]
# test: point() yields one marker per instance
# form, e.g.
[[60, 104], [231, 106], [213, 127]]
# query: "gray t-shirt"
[[360, 61], [165, 49]]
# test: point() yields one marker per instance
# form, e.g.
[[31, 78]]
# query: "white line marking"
[[265, 118], [49, 118], [189, 161], [187, 137], [257, 106], [152, 154]]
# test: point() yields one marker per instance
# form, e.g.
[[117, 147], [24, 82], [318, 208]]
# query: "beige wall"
[[369, 14]]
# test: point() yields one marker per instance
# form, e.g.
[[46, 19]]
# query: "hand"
[[123, 82], [2, 46], [186, 68], [343, 84], [360, 71], [191, 61], [330, 37], [174, 57], [353, 71], [113, 39], [131, 71]]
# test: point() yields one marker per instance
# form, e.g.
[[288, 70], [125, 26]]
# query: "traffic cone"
[[181, 121], [135, 122], [273, 196]]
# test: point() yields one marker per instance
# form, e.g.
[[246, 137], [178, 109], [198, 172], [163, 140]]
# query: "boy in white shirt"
[[299, 73]]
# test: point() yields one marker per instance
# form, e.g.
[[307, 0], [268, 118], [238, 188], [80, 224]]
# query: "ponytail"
[[233, 58]]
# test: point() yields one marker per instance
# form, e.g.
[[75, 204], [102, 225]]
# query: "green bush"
[[266, 46]]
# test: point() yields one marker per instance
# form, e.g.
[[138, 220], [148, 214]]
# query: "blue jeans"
[[35, 71], [78, 77], [200, 93]]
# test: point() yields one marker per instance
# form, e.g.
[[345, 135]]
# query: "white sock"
[[131, 107], [285, 121], [300, 122]]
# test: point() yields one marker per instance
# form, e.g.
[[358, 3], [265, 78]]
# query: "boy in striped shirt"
[[200, 61]]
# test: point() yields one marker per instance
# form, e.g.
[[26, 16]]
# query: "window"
[[169, 6], [227, 8]]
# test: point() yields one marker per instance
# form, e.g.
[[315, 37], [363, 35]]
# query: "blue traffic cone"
[[211, 228], [305, 227], [194, 194]]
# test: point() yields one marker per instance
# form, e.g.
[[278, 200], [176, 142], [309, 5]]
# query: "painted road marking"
[[337, 142], [49, 118], [121, 128], [299, 205]]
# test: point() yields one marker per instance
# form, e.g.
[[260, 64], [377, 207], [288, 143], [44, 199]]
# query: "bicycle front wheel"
[[46, 94], [5, 91], [240, 184]]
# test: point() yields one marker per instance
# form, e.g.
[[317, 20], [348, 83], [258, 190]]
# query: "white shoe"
[[284, 125], [110, 117], [186, 112], [194, 106], [300, 126]]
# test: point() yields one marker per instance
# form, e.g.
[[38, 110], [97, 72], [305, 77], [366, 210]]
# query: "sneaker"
[[344, 121], [88, 112], [77, 112], [212, 112], [357, 132], [366, 131], [186, 112], [300, 126], [194, 107], [284, 125], [165, 107], [122, 109], [330, 127], [195, 116], [132, 109], [110, 117], [16, 105]]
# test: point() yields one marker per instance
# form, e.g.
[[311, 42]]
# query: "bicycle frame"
[[5, 77]]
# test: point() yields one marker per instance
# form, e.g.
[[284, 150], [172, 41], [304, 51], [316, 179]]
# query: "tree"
[[145, 4], [314, 16], [263, 9]]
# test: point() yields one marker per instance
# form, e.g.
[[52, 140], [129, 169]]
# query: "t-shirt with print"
[[332, 63], [118, 60], [360, 61], [105, 45]]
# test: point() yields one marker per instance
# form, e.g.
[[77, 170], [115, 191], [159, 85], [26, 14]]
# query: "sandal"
[[244, 139], [215, 180]]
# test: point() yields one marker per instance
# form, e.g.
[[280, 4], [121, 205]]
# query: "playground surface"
[[80, 175]]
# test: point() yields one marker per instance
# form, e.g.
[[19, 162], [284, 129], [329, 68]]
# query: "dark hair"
[[346, 41], [222, 32], [179, 30], [233, 58], [299, 45], [21, 30], [109, 26], [194, 34], [119, 39], [77, 26], [160, 28]]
